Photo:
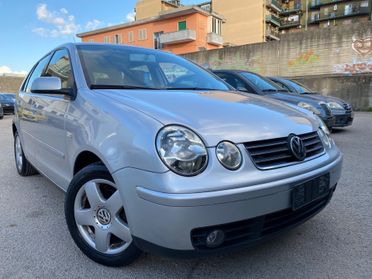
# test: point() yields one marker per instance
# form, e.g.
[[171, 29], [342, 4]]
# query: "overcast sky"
[[29, 29]]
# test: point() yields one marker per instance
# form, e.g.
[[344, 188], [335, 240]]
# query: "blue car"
[[342, 111]]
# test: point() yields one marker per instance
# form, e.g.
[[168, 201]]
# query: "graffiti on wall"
[[362, 62], [305, 58], [362, 46], [354, 68], [238, 61]]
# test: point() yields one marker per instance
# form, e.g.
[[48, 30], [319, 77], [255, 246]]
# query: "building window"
[[216, 25], [182, 25], [130, 37], [142, 34], [117, 39], [91, 40], [157, 43], [106, 39]]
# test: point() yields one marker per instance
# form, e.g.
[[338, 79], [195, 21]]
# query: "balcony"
[[316, 4], [290, 24], [177, 37], [273, 19], [290, 11], [356, 11], [272, 34], [275, 5], [214, 39]]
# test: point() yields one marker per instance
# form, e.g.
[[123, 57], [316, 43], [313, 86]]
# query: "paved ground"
[[35, 243]]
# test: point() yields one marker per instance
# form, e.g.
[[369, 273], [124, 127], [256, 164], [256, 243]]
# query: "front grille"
[[254, 229], [274, 153]]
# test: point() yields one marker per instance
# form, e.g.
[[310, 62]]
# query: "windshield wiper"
[[270, 90], [191, 88], [111, 86]]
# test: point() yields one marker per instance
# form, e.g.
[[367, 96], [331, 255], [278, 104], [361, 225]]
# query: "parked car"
[[7, 101], [250, 82], [1, 112], [342, 110], [156, 154]]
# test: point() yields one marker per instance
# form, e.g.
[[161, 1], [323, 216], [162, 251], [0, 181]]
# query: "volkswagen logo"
[[103, 216], [297, 147]]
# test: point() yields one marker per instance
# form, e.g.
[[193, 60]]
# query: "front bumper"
[[163, 221], [329, 121], [7, 109], [343, 119]]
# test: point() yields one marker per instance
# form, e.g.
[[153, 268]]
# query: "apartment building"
[[173, 28], [216, 23]]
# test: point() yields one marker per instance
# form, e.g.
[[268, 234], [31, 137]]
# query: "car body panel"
[[120, 128]]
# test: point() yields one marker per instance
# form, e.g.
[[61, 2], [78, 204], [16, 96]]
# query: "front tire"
[[96, 218], [23, 166]]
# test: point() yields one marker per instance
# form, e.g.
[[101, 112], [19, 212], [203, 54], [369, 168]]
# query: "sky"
[[29, 29]]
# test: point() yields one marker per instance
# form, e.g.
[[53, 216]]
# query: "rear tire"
[[23, 166], [96, 218]]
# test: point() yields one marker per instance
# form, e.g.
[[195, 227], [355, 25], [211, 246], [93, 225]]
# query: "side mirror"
[[49, 85]]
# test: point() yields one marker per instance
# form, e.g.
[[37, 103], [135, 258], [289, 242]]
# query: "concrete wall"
[[10, 84], [337, 54]]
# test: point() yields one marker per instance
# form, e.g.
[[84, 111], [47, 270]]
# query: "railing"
[[274, 4], [272, 33], [315, 4], [289, 24], [273, 19], [341, 13], [178, 37]]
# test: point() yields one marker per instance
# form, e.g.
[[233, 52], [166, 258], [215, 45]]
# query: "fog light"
[[215, 238]]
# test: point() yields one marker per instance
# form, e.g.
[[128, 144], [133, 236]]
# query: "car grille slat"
[[272, 153]]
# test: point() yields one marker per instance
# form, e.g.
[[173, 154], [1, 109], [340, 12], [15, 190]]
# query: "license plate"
[[310, 191]]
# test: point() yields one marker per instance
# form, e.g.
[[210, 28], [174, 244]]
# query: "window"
[[37, 72], [157, 43], [182, 25], [91, 41], [142, 34], [60, 67], [109, 66], [130, 37], [106, 39], [216, 25], [173, 71], [117, 39], [235, 82]]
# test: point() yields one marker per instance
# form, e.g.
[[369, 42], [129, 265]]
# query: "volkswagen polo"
[[156, 154]]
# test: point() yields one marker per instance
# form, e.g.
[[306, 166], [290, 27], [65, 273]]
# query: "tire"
[[94, 212], [23, 166]]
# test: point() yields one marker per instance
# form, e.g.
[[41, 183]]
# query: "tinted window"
[[60, 66], [300, 88], [235, 82], [261, 83], [109, 66], [37, 72]]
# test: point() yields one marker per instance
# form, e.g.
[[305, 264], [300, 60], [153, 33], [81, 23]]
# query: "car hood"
[[216, 115], [295, 98], [319, 97]]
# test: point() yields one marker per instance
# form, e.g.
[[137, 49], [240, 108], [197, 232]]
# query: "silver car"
[[156, 154]]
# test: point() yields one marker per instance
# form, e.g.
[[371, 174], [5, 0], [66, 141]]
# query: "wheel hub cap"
[[104, 216]]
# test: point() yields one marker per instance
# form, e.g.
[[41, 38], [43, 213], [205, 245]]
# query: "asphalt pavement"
[[337, 243]]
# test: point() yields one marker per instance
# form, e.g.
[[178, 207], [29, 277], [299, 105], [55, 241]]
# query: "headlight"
[[229, 155], [334, 105], [324, 133], [309, 107], [181, 150]]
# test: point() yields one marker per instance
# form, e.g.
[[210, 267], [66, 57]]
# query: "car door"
[[49, 127], [26, 114]]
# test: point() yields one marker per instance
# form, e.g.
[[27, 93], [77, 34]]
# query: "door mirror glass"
[[47, 85]]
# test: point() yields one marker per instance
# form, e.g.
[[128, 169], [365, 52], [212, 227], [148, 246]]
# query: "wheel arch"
[[86, 158]]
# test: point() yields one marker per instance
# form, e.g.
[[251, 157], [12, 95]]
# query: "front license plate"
[[309, 191]]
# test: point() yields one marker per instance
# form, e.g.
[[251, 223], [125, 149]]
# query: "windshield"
[[300, 88], [120, 67], [262, 83]]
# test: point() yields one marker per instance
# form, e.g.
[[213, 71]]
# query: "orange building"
[[179, 30]]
